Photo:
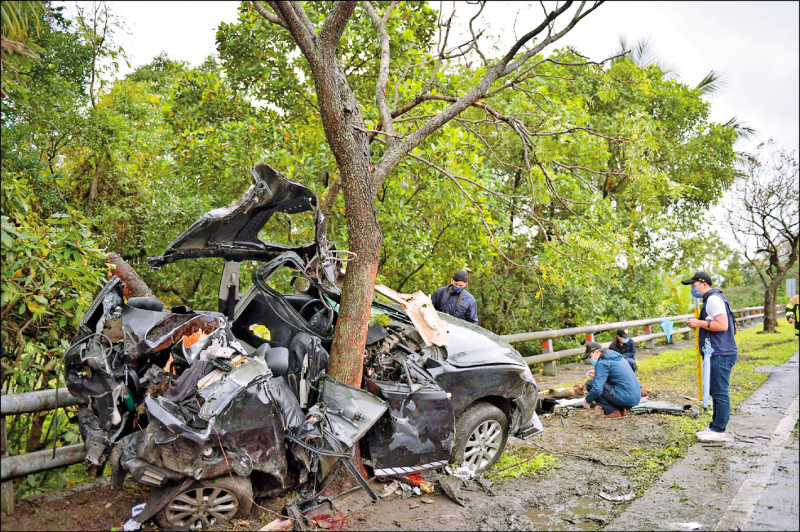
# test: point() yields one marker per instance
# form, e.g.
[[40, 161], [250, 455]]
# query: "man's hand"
[[590, 374], [694, 322], [586, 405], [790, 320]]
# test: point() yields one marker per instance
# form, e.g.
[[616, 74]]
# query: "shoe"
[[702, 432], [616, 414], [712, 436]]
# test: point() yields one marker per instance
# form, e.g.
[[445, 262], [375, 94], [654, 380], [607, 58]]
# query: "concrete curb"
[[721, 486]]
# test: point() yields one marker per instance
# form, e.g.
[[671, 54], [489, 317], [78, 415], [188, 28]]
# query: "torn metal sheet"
[[663, 407], [565, 403], [231, 385], [419, 308], [242, 396], [350, 412]]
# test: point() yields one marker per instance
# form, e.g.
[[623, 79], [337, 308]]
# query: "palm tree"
[[643, 55]]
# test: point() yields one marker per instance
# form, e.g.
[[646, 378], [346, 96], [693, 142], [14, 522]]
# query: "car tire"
[[481, 435], [207, 503]]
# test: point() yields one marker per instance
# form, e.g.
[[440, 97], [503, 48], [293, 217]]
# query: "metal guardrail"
[[25, 464], [549, 357]]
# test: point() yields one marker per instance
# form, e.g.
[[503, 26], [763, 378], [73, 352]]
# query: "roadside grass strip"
[[671, 375]]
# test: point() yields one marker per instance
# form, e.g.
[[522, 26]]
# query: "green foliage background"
[[636, 162]]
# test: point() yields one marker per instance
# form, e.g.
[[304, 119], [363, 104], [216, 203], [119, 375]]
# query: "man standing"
[[625, 346], [717, 341], [614, 385], [454, 299]]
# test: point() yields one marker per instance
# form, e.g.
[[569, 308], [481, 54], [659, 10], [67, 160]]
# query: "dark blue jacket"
[[611, 368], [462, 305], [722, 343], [628, 351]]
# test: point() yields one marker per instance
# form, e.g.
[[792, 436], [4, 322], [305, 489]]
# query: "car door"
[[417, 431]]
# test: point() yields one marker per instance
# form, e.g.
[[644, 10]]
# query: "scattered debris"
[[278, 525], [617, 498], [238, 399], [131, 525], [662, 407], [452, 488], [688, 526], [464, 471]]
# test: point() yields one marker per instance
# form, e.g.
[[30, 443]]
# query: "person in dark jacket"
[[716, 330], [454, 299], [625, 346], [614, 385]]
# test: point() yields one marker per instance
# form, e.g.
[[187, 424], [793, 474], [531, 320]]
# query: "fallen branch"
[[515, 465], [587, 458]]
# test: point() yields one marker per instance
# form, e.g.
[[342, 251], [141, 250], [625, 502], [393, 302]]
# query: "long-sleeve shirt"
[[617, 372]]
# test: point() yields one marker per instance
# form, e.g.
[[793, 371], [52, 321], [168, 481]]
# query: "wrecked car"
[[214, 408]]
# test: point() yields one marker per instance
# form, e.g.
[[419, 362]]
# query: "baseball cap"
[[624, 332], [699, 276], [590, 346], [460, 275]]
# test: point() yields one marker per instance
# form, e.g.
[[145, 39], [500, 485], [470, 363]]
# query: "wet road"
[[750, 483]]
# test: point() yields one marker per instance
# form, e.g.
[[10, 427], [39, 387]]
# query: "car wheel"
[[207, 503], [481, 434]]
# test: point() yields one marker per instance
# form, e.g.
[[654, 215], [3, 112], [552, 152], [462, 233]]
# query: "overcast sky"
[[754, 45]]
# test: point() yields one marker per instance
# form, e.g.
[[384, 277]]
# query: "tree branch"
[[335, 23], [271, 17], [383, 73]]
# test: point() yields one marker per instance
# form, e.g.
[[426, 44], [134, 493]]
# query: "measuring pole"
[[698, 353]]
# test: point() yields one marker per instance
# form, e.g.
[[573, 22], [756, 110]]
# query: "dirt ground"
[[589, 460], [563, 498]]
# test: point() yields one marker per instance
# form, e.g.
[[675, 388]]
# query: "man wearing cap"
[[614, 386], [716, 327], [625, 346], [454, 299]]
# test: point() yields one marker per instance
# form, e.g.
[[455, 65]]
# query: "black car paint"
[[429, 390]]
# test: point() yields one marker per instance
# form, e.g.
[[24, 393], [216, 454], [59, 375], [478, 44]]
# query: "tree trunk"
[[770, 316], [344, 125], [771, 295]]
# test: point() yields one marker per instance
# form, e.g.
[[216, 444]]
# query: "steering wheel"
[[318, 315]]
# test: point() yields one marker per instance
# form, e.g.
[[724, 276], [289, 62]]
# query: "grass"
[[520, 463], [677, 370], [671, 371]]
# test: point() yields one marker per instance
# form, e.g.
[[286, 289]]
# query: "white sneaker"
[[712, 436], [702, 432]]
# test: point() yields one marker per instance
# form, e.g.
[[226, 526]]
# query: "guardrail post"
[[649, 344], [7, 489], [549, 367]]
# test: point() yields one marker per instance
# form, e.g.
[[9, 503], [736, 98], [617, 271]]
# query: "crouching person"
[[614, 386]]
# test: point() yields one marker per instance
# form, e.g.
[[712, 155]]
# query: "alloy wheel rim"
[[200, 508], [483, 444]]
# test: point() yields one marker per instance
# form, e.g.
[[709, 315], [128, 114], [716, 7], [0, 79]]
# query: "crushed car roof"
[[232, 232]]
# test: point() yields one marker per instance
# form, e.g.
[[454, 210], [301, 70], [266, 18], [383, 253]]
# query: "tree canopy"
[[568, 188]]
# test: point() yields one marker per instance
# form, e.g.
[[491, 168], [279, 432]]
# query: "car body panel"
[[232, 232], [167, 389]]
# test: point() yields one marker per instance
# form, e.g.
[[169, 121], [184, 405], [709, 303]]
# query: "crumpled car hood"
[[471, 345], [232, 232]]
